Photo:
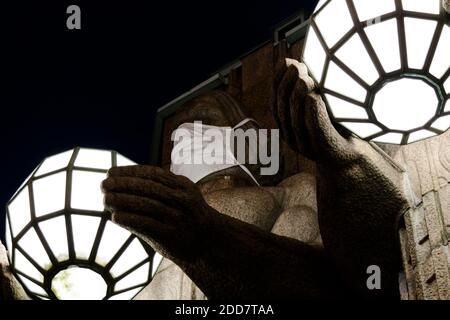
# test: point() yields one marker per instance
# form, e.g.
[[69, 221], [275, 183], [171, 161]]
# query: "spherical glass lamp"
[[383, 66], [60, 241]]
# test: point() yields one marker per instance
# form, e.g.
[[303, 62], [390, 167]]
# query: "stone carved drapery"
[[425, 235]]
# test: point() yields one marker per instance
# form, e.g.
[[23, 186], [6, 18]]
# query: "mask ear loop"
[[240, 124]]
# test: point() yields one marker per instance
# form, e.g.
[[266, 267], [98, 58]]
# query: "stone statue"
[[312, 235], [360, 198]]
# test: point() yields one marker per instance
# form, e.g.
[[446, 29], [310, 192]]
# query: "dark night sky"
[[100, 87]]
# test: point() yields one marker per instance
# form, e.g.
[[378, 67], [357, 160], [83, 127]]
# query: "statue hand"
[[10, 288], [361, 192], [304, 120], [222, 255], [166, 210]]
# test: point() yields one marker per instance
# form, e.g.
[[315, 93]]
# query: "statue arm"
[[245, 262], [361, 191], [226, 258]]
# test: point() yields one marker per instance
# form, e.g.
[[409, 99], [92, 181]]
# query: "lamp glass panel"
[[84, 232], [8, 238], [343, 109], [49, 194], [441, 61], [113, 239], [22, 264], [48, 236], [372, 9], [339, 81], [77, 283], [355, 56], [314, 55], [123, 161], [331, 31], [443, 123], [362, 130], [447, 106], [392, 138], [426, 6], [33, 287], [420, 135], [157, 259], [127, 295], [32, 245], [447, 85], [55, 233], [405, 104], [137, 277], [384, 39], [419, 34], [95, 159], [86, 190], [132, 256], [19, 211], [54, 163]]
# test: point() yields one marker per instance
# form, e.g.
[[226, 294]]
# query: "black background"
[[101, 86]]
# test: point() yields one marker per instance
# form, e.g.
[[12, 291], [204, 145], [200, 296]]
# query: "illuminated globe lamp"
[[60, 241], [382, 66]]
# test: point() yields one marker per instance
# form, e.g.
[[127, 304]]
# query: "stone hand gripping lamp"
[[383, 66], [60, 241]]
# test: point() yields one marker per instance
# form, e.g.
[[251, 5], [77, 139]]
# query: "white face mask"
[[200, 150]]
